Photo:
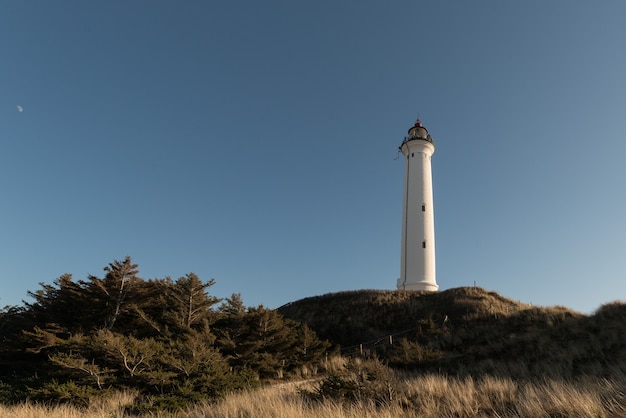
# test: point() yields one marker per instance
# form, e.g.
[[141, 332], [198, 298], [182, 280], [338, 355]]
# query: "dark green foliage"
[[188, 306], [358, 381], [8, 394], [334, 386], [411, 354], [159, 337], [66, 392], [261, 339]]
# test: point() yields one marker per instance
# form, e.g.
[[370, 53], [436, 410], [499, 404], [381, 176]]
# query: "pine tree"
[[120, 279], [189, 304], [61, 303]]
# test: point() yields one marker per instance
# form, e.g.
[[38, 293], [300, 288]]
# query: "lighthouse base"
[[418, 285]]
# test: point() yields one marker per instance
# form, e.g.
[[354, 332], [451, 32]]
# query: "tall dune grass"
[[423, 396], [440, 396], [109, 407]]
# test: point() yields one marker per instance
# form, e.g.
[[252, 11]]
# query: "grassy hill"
[[463, 352], [468, 331]]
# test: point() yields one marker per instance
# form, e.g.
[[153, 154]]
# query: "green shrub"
[[359, 381], [69, 392]]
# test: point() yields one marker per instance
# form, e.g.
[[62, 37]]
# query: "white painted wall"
[[417, 265]]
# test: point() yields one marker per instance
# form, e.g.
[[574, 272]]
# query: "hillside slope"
[[468, 331], [353, 317]]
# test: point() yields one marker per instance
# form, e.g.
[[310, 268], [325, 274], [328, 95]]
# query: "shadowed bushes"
[[358, 381], [168, 340]]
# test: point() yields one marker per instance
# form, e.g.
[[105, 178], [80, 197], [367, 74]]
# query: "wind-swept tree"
[[189, 304], [113, 290], [162, 337], [62, 303], [263, 340]]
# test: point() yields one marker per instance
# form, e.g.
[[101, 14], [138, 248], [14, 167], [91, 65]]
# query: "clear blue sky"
[[254, 142]]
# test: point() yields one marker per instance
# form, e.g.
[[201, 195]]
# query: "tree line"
[[168, 339]]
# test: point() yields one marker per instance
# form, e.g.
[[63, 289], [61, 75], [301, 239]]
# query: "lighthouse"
[[417, 260]]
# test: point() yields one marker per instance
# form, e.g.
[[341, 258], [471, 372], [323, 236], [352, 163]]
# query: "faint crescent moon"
[[20, 108]]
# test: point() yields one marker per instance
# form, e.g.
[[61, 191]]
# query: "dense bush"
[[167, 339], [357, 381]]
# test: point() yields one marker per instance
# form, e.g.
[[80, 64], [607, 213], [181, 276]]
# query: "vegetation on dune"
[[168, 340], [120, 345], [377, 390], [430, 395], [469, 331]]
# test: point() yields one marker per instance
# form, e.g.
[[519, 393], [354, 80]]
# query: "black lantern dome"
[[418, 132]]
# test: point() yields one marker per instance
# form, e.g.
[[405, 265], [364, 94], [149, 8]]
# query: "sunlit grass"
[[109, 407], [421, 396]]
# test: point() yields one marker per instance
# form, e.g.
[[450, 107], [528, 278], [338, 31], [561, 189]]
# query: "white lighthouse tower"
[[417, 265]]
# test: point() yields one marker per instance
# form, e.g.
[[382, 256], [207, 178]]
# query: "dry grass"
[[423, 396], [438, 396], [112, 407]]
